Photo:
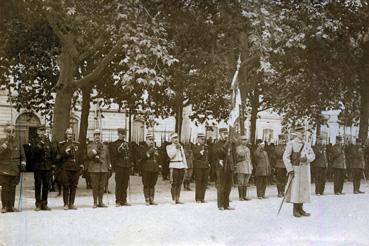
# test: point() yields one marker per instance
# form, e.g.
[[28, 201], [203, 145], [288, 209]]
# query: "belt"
[[176, 161]]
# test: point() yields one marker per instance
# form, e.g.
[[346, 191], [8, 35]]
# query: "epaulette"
[[75, 142], [62, 142]]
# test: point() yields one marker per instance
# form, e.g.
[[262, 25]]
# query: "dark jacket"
[[224, 151], [68, 161], [338, 157], [357, 157], [99, 162], [148, 160], [42, 154], [320, 156], [277, 156], [10, 158], [262, 162], [120, 154], [200, 160]]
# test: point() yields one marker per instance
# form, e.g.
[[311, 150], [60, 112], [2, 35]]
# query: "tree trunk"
[[63, 101], [179, 119], [254, 115], [130, 125], [318, 127], [242, 119], [83, 126], [364, 109]]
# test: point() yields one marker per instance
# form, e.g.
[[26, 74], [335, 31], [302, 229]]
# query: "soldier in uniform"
[[262, 167], [320, 165], [280, 168], [98, 168], [224, 161], [357, 165], [297, 158], [243, 168], [149, 165], [121, 162], [339, 165], [201, 167], [177, 166], [70, 169], [11, 164], [42, 155]]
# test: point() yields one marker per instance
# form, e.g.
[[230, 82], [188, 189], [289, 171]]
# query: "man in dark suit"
[[320, 165], [357, 165], [201, 166], [121, 162], [224, 161], [149, 166], [42, 156], [339, 165]]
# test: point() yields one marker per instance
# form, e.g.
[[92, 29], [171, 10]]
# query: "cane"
[[288, 188], [20, 192]]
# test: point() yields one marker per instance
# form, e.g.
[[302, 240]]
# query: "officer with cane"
[[297, 158]]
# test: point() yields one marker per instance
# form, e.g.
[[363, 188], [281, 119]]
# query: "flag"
[[236, 97]]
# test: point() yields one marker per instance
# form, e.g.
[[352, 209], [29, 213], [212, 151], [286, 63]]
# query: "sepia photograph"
[[184, 122]]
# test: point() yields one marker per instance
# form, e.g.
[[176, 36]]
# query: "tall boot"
[[301, 210], [178, 193], [147, 195], [152, 195], [72, 197], [173, 191], [240, 193], [4, 200], [95, 194], [245, 194], [296, 209], [101, 196], [66, 196]]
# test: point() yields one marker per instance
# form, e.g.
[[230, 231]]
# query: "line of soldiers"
[[290, 162]]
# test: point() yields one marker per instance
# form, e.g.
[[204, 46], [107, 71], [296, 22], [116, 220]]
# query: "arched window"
[[26, 127]]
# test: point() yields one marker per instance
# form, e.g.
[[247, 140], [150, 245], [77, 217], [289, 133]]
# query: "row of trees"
[[297, 58]]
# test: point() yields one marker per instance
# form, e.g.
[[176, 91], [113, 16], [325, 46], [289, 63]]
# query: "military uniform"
[[280, 168], [263, 170], [177, 166], [43, 157], [224, 161], [201, 167], [98, 168], [357, 165], [320, 165], [121, 162], [339, 167], [11, 158], [149, 166], [243, 170], [69, 172], [297, 158]]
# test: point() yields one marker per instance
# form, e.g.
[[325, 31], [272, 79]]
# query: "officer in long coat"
[[320, 165], [297, 158], [201, 166], [43, 157], [243, 168], [339, 165], [70, 169], [224, 157], [263, 169], [357, 165], [98, 168], [12, 162], [149, 166], [121, 161]]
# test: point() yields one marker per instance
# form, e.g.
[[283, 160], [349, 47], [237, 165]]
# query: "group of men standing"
[[291, 163]]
